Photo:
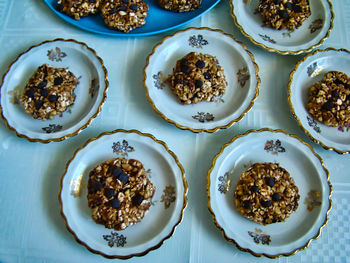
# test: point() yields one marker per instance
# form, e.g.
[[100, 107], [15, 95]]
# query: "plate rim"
[[213, 163], [184, 181], [287, 52], [79, 129], [194, 130], [291, 75]]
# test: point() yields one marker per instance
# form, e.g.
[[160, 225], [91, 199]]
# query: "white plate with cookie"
[[296, 27], [209, 103], [50, 117], [284, 232], [161, 214], [332, 130]]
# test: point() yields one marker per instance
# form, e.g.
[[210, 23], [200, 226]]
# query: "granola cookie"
[[180, 5], [124, 15], [119, 193], [49, 92], [284, 14], [197, 77], [78, 8], [266, 193], [329, 99]]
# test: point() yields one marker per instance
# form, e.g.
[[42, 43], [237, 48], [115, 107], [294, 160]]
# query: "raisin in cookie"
[[329, 99], [197, 77], [284, 14], [180, 5], [119, 193], [78, 8], [124, 15], [266, 193], [49, 92]]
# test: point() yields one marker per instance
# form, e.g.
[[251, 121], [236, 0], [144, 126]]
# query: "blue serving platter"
[[157, 21]]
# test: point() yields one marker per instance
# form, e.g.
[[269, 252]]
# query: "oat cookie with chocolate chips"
[[266, 193], [124, 15], [78, 8], [329, 99], [284, 14], [119, 193], [180, 5], [49, 92], [197, 77]]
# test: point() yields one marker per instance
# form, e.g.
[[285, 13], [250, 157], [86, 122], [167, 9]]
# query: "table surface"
[[31, 227]]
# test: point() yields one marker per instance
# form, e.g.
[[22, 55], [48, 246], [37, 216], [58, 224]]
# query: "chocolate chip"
[[277, 2], [115, 203], [254, 189], [179, 81], [338, 82], [39, 104], [247, 204], [270, 181], [92, 1], [183, 61], [97, 186], [137, 199], [59, 7], [125, 1], [109, 192], [44, 93], [289, 5], [30, 93], [123, 8], [266, 203], [113, 11], [335, 94], [348, 97], [53, 98], [200, 64], [133, 7], [116, 172], [198, 84], [124, 178], [283, 14], [58, 80], [207, 75], [42, 84], [276, 197], [328, 105], [185, 69], [347, 86], [297, 9]]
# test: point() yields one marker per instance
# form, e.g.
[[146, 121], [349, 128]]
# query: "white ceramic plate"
[[169, 201], [303, 164], [90, 93], [308, 71], [204, 116], [309, 35]]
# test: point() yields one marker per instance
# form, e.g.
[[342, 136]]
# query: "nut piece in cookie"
[[266, 193], [329, 99], [49, 92], [78, 8], [180, 5], [197, 77], [119, 193], [124, 15], [284, 14]]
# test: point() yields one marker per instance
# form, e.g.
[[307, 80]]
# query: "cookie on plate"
[[49, 92], [124, 15], [265, 193], [197, 77], [119, 193], [180, 5], [284, 14], [329, 99], [78, 8]]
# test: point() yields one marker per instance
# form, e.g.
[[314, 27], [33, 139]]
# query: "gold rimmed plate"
[[169, 201], [90, 93], [313, 31], [304, 166], [241, 73]]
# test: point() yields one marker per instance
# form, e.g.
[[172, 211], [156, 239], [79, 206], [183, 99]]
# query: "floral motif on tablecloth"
[[313, 199], [56, 54], [159, 82], [219, 99], [316, 25], [258, 236], [169, 196], [313, 124], [243, 76], [343, 129], [198, 41], [122, 148], [94, 86], [52, 128], [203, 117], [267, 38], [274, 147], [314, 70], [15, 95], [224, 183], [115, 239]]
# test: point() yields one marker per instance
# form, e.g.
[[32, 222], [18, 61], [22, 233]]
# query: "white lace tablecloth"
[[31, 228]]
